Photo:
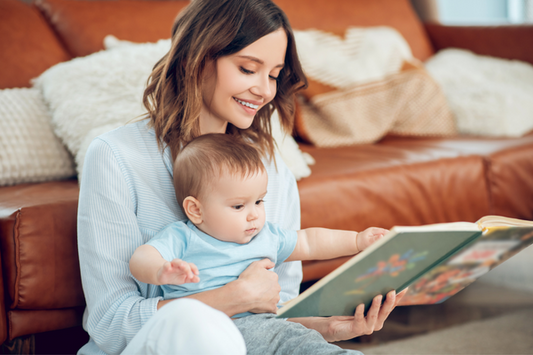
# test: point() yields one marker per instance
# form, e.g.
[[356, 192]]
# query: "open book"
[[436, 261]]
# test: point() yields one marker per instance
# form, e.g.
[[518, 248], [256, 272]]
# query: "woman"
[[231, 63]]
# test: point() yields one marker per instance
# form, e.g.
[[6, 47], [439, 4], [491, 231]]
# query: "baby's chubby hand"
[[369, 236], [177, 272]]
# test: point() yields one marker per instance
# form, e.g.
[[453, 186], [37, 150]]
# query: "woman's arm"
[[108, 233]]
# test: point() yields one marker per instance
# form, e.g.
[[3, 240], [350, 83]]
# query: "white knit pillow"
[[488, 96], [29, 150], [91, 95]]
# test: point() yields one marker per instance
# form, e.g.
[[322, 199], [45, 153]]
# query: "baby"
[[220, 182]]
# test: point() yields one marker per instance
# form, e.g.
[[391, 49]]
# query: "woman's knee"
[[202, 328], [191, 312], [187, 326]]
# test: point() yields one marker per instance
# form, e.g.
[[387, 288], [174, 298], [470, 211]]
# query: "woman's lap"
[[187, 326]]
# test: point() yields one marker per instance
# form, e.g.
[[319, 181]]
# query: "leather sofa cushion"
[[511, 181], [391, 184], [509, 168], [38, 244], [25, 322], [24, 30], [82, 28]]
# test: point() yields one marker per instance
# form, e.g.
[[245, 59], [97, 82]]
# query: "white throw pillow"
[[29, 150], [91, 95], [488, 96]]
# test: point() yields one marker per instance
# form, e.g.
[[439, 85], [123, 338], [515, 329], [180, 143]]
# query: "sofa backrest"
[[83, 24], [30, 44], [336, 15]]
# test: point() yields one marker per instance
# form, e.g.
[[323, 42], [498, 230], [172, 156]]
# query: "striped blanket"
[[364, 86]]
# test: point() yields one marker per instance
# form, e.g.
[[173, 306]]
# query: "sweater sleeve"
[[284, 210], [108, 234]]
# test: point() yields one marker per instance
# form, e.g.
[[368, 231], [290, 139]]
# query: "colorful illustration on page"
[[393, 267]]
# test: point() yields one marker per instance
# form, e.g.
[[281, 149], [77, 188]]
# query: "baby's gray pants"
[[266, 335]]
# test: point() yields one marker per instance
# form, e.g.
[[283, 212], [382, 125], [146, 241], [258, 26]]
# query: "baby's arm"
[[148, 266], [322, 243]]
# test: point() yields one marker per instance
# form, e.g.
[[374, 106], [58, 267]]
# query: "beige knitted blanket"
[[364, 86]]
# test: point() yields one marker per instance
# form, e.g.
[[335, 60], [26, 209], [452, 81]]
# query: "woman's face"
[[236, 86]]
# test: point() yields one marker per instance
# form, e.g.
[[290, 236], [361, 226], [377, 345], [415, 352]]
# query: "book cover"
[[426, 258]]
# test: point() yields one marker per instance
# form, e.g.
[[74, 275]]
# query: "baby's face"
[[233, 210]]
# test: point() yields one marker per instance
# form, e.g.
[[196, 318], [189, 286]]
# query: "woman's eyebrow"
[[257, 60]]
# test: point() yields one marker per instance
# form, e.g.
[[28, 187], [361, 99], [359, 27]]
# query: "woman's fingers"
[[372, 315]]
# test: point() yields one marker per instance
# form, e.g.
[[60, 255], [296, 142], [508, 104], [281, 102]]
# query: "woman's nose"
[[265, 87]]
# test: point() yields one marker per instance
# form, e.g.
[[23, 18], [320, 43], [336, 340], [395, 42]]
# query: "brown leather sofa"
[[398, 181]]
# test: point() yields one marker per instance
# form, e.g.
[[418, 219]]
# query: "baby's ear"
[[191, 206]]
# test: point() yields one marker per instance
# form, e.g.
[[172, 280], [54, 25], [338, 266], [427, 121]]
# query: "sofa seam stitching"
[[16, 240]]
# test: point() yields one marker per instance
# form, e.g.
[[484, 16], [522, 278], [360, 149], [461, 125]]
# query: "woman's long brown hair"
[[206, 30]]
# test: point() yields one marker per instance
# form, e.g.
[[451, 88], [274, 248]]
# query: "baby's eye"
[[238, 207], [246, 71], [258, 202]]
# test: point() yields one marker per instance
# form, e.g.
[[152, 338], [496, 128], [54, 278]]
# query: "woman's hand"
[[256, 290], [260, 288], [348, 327]]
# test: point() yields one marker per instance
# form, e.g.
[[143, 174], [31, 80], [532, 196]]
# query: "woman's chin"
[[244, 125]]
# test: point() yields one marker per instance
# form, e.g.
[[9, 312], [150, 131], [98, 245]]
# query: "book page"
[[453, 226], [497, 244], [499, 221]]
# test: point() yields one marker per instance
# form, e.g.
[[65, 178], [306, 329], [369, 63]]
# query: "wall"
[[475, 12]]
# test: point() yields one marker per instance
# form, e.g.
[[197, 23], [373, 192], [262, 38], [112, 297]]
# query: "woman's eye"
[[274, 78], [246, 71]]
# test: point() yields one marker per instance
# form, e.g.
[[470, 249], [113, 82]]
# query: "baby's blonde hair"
[[204, 159]]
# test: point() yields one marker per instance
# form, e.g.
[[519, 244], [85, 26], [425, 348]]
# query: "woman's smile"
[[247, 106]]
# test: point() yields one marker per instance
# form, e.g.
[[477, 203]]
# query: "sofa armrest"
[[508, 41], [3, 318], [42, 288]]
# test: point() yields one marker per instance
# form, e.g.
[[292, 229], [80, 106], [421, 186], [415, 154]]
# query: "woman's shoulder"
[[129, 135], [133, 140], [131, 148]]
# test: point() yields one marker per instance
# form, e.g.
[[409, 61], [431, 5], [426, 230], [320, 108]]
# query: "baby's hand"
[[369, 236], [177, 272]]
